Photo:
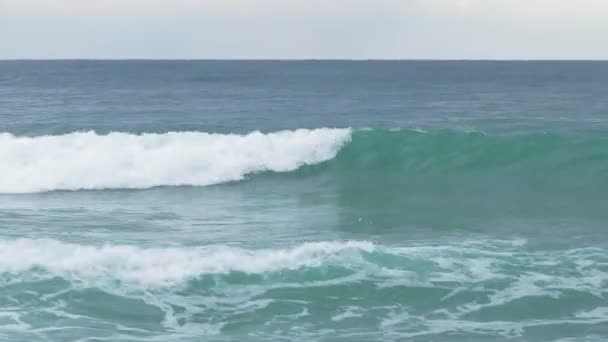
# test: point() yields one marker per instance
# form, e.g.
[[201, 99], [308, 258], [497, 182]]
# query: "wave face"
[[458, 152], [485, 289], [392, 178], [124, 161]]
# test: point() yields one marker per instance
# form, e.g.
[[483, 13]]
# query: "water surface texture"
[[303, 201]]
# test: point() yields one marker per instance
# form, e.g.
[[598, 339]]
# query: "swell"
[[394, 178], [458, 152]]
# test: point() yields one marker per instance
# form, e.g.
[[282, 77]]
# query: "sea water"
[[303, 201]]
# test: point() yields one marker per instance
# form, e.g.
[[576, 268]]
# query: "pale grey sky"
[[300, 29]]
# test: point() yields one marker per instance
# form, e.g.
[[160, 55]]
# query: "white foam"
[[348, 312], [165, 266], [87, 160]]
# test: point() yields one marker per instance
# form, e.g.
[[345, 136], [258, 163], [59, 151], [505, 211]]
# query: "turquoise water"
[[303, 201]]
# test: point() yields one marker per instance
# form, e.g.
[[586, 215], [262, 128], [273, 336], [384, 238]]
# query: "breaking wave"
[[87, 160]]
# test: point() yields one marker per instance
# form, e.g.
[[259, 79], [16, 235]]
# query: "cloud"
[[120, 5], [304, 28], [523, 5]]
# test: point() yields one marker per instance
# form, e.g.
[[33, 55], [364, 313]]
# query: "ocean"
[[303, 201]]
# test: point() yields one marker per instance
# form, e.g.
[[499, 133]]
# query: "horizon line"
[[307, 59]]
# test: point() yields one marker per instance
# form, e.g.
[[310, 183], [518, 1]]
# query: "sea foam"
[[165, 266], [87, 161]]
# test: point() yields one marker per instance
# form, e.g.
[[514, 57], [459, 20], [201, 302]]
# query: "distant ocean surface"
[[303, 201]]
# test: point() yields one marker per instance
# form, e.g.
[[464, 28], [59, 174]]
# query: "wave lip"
[[88, 161]]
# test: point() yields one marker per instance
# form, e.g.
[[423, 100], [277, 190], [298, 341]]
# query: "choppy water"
[[331, 201]]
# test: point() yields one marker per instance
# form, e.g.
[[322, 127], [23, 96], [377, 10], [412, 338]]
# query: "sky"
[[304, 29]]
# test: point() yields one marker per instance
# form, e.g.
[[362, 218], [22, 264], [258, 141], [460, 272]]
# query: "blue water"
[[303, 201]]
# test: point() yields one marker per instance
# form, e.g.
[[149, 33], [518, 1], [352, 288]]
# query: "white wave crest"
[[87, 161], [164, 266]]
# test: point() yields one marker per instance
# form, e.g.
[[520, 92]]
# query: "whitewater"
[[86, 161], [205, 291]]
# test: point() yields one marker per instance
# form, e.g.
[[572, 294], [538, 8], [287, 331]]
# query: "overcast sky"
[[302, 29]]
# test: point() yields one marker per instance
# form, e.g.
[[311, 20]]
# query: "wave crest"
[[88, 161]]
